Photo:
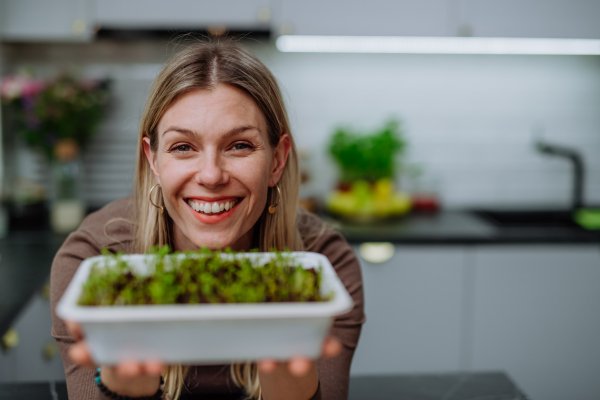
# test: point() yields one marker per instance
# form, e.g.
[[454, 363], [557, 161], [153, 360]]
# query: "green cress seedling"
[[200, 277]]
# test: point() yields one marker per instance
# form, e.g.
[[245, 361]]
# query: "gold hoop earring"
[[273, 206], [162, 209]]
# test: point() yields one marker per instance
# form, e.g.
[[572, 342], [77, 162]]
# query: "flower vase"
[[67, 209]]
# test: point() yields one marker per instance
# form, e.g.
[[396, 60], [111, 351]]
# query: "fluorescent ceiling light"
[[436, 45]]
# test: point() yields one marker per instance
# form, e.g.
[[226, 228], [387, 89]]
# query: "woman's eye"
[[241, 146], [182, 148]]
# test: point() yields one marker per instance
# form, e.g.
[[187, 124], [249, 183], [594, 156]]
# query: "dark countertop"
[[459, 227], [465, 386], [443, 227], [489, 385]]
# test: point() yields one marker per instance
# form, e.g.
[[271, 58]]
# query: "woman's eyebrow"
[[240, 129], [231, 132], [178, 129]]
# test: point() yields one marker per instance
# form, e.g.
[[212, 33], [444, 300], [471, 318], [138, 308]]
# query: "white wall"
[[469, 119]]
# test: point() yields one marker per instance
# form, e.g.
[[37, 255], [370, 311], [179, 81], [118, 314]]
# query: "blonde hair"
[[203, 65]]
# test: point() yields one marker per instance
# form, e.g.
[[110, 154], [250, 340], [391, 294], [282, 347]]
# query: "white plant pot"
[[207, 333]]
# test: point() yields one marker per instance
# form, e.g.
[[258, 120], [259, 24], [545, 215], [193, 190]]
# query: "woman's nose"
[[210, 171]]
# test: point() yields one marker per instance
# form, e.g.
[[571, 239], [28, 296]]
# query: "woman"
[[217, 167]]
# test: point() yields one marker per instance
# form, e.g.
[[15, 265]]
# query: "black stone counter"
[[467, 386], [459, 227], [444, 227]]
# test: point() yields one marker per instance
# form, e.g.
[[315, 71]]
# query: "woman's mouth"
[[212, 207]]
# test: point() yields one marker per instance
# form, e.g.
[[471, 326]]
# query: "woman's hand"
[[296, 378], [128, 378], [291, 380]]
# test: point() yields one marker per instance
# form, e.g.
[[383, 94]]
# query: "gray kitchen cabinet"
[[354, 17], [531, 18], [481, 18], [36, 357], [52, 20], [536, 316], [184, 14], [413, 306]]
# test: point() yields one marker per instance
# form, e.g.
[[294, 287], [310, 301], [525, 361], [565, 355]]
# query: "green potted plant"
[[368, 166]]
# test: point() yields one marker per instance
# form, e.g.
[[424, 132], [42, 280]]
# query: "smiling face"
[[214, 164]]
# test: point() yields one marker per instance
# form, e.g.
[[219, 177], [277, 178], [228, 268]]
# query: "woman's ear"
[[150, 157], [280, 155]]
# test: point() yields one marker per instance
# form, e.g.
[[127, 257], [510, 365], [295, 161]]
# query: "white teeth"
[[194, 205], [212, 208]]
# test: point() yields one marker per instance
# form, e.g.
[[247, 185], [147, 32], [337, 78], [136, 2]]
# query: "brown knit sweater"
[[96, 233]]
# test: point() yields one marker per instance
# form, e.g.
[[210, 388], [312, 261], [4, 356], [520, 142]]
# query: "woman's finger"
[[299, 366], [267, 366], [331, 347], [75, 329], [80, 355], [129, 369], [154, 367]]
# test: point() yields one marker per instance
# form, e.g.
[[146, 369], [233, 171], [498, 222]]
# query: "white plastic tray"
[[207, 333]]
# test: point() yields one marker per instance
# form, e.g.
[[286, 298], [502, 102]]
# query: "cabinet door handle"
[[376, 252]]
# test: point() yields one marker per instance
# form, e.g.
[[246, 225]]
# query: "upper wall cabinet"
[[77, 20], [530, 18], [359, 17], [481, 18], [183, 14], [34, 20]]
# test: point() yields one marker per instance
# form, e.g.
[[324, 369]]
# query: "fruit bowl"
[[362, 201]]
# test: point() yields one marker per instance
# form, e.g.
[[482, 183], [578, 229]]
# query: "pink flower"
[[32, 87], [11, 87], [17, 86]]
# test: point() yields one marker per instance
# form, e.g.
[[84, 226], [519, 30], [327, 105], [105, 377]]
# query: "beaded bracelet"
[[113, 395]]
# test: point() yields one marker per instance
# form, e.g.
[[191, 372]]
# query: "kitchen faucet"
[[578, 168]]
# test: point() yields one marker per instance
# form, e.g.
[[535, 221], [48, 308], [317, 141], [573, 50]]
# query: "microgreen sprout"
[[200, 277]]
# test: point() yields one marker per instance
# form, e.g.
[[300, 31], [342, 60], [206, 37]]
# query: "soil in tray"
[[200, 277]]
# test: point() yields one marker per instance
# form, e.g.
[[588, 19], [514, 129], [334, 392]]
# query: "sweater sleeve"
[[334, 373], [78, 246], [317, 395], [95, 233]]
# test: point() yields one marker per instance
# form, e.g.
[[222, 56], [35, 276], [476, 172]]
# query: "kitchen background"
[[470, 121]]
